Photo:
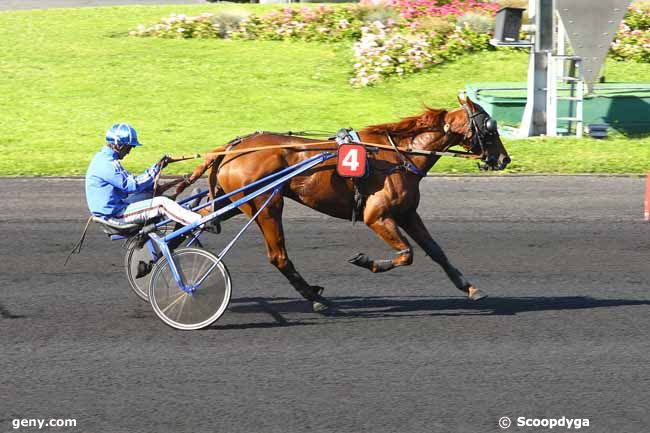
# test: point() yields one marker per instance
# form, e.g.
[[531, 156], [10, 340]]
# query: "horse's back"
[[319, 188]]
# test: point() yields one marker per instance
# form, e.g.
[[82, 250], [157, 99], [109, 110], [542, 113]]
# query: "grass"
[[68, 74]]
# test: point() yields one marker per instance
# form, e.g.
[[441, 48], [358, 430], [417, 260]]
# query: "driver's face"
[[124, 151]]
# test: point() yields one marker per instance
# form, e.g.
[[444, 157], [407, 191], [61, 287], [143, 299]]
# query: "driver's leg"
[[145, 210]]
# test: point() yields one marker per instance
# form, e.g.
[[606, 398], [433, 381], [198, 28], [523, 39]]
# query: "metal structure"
[[591, 27], [588, 27]]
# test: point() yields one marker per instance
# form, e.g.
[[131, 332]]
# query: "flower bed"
[[383, 52], [181, 26], [411, 9], [322, 24], [394, 39]]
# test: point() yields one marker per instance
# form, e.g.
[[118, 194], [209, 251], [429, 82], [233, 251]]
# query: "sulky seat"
[[113, 227]]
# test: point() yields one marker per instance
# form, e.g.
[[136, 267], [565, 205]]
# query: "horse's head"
[[479, 134]]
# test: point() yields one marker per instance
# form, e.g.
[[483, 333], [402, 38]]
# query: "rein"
[[450, 153]]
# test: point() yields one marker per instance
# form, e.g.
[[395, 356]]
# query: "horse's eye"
[[491, 125]]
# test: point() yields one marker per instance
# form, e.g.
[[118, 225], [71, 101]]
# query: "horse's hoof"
[[361, 260], [474, 294], [320, 306]]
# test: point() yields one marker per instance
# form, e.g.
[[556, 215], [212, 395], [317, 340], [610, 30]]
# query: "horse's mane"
[[410, 125]]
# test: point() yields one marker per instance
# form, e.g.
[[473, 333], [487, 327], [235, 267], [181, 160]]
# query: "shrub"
[[228, 21], [633, 38], [181, 26], [437, 25], [631, 45], [383, 52], [323, 23], [383, 13], [480, 23], [637, 17]]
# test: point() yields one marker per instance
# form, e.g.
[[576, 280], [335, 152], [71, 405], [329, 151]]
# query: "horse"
[[390, 190]]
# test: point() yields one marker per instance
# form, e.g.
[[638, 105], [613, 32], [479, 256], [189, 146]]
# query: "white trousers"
[[145, 210]]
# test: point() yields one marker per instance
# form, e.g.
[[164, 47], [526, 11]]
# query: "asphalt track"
[[564, 332]]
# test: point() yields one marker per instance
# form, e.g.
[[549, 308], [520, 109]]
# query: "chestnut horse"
[[391, 189]]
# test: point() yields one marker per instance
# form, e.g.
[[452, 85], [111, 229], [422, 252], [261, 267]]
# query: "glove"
[[164, 161]]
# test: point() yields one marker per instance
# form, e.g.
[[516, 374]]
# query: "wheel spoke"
[[180, 307], [171, 304]]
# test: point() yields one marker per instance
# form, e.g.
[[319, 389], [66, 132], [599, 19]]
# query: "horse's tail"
[[208, 162], [212, 161]]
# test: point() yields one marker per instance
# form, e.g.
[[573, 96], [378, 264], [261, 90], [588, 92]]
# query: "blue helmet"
[[122, 134]]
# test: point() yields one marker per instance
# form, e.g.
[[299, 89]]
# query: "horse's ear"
[[470, 104], [461, 98]]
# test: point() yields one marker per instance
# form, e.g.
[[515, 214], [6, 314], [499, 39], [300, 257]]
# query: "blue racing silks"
[[108, 184]]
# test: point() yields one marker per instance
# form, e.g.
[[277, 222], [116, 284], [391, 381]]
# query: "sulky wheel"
[[139, 261], [196, 310]]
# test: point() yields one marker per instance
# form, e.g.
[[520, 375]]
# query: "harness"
[[347, 136], [406, 164]]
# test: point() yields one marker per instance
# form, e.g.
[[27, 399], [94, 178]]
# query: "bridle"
[[483, 128]]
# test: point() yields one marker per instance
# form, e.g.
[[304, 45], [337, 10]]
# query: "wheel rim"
[[186, 311]]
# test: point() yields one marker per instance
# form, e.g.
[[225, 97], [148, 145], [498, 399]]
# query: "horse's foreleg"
[[415, 228], [386, 228], [270, 223]]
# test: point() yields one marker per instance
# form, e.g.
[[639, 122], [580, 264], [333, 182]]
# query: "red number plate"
[[351, 160]]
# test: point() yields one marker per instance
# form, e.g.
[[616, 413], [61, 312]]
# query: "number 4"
[[351, 160]]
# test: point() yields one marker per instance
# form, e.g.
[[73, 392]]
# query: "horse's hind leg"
[[386, 228], [414, 227], [270, 223]]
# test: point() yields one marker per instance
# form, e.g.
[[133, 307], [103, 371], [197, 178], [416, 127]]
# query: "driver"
[[113, 193]]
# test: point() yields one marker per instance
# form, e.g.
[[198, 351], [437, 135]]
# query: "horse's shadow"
[[407, 306]]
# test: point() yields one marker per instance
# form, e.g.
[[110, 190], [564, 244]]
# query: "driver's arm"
[[124, 181]]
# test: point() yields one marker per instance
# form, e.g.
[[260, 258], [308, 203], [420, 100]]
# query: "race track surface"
[[565, 331]]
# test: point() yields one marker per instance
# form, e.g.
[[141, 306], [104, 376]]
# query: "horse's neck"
[[422, 141], [427, 141], [434, 141]]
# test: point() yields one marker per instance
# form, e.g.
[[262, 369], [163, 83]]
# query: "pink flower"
[[411, 9]]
